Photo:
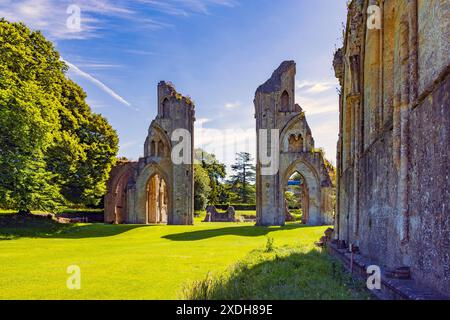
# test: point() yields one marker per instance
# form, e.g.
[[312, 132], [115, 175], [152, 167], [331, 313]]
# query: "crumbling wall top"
[[170, 91], [275, 81]]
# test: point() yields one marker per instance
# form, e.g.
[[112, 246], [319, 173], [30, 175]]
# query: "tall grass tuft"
[[269, 244], [284, 273]]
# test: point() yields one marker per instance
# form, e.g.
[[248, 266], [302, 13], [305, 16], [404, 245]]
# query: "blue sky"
[[216, 51]]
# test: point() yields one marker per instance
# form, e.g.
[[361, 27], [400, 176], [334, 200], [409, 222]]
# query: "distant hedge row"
[[246, 207]]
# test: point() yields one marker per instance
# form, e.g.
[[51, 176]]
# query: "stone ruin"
[[275, 108], [393, 149], [154, 189], [212, 215]]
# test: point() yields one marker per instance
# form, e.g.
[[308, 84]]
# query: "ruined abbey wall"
[[393, 150], [275, 109], [155, 189]]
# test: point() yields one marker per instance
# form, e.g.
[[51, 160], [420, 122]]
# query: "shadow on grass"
[[15, 227], [244, 231], [282, 274]]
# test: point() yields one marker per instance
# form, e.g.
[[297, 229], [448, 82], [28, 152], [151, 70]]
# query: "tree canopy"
[[201, 188], [53, 149], [216, 172], [243, 177]]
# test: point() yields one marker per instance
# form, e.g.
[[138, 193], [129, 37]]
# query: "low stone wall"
[[78, 217], [212, 215]]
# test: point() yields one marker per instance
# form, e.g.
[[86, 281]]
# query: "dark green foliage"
[[19, 226], [216, 172], [243, 177], [201, 188], [53, 149]]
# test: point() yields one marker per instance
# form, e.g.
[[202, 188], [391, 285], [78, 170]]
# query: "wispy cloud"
[[186, 7], [86, 64], [128, 144], [202, 121], [320, 102], [140, 52], [315, 86], [97, 82], [51, 16], [317, 97], [233, 105]]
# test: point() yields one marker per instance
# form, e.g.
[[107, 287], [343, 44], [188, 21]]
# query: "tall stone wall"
[[176, 181], [393, 158], [275, 109]]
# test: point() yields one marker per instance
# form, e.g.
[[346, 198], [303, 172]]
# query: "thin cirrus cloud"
[[315, 86], [317, 97], [98, 83], [233, 105], [186, 7], [51, 16], [320, 102]]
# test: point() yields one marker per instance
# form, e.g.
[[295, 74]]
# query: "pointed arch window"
[[284, 106], [165, 108]]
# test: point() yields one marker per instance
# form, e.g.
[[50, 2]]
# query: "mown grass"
[[129, 261]]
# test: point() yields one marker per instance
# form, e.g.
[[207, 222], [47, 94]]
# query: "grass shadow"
[[97, 230], [14, 227], [244, 231]]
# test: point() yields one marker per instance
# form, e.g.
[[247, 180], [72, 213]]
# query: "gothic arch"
[[165, 108], [312, 179], [116, 203], [289, 129], [296, 142], [284, 102], [120, 203], [157, 199], [141, 199], [158, 143], [172, 193]]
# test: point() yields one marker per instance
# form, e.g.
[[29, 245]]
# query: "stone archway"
[[296, 194], [276, 110], [157, 200], [312, 197], [120, 203], [153, 205], [156, 190], [116, 199]]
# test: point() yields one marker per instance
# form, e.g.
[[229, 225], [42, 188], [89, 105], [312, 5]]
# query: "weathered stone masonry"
[[275, 108], [393, 150], [154, 190]]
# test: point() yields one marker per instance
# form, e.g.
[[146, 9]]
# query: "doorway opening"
[[157, 200], [296, 197]]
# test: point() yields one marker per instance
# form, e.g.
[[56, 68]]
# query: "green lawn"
[[129, 262]]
